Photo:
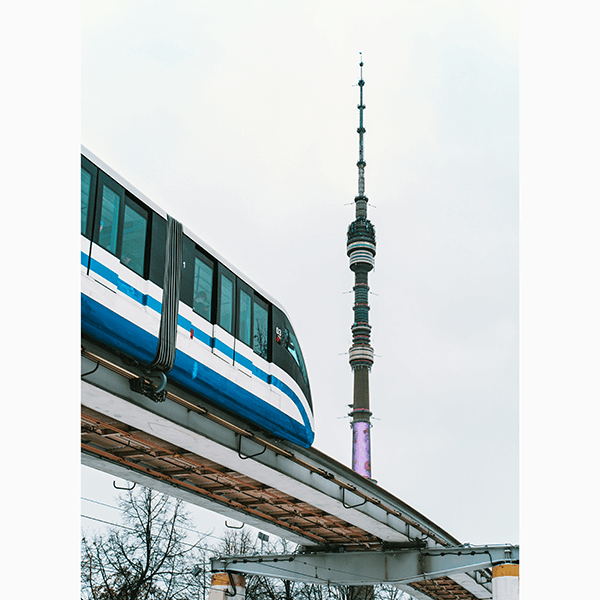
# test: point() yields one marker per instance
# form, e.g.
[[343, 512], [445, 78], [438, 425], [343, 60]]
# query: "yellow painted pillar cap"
[[507, 570]]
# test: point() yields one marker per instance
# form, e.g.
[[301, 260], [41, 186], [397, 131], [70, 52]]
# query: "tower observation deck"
[[361, 253]]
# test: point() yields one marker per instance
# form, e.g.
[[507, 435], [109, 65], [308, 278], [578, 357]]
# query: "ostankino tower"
[[361, 252]]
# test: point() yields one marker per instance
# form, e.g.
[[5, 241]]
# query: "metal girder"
[[365, 568]]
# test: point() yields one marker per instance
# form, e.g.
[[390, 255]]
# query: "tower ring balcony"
[[361, 356]]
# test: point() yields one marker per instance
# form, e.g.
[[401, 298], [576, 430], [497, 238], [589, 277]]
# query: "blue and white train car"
[[154, 292]]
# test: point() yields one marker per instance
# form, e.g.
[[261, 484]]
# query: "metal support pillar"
[[505, 582], [227, 586]]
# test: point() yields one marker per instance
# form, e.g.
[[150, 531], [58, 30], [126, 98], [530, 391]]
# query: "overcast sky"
[[239, 119]]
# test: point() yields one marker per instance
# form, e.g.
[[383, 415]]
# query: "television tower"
[[361, 252]]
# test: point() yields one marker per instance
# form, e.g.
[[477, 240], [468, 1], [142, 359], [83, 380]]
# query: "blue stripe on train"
[[147, 300], [110, 328], [222, 347]]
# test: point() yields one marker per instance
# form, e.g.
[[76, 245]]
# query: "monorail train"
[[154, 292]]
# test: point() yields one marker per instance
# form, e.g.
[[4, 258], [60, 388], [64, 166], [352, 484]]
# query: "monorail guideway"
[[190, 449]]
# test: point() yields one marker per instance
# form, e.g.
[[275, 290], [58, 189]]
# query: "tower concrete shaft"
[[360, 248]]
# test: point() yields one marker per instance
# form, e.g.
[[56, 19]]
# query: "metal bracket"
[[124, 488], [239, 449], [142, 386], [232, 584], [92, 371], [354, 505]]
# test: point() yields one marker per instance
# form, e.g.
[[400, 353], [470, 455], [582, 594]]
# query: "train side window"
[[260, 336], [86, 185], [109, 218], [133, 244], [226, 303], [245, 317], [203, 284], [88, 192]]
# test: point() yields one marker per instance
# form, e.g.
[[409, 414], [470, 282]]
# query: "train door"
[[243, 343], [224, 327], [89, 180], [110, 199]]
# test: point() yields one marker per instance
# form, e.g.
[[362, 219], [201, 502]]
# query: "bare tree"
[[147, 558], [390, 592]]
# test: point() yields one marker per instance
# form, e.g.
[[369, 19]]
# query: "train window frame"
[[145, 213], [243, 287], [209, 262], [262, 303], [92, 169], [112, 185], [223, 271]]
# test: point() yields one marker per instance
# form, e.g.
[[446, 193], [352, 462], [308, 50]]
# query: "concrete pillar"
[[222, 586], [505, 582]]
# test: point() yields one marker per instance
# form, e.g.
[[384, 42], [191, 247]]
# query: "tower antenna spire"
[[360, 249], [361, 131]]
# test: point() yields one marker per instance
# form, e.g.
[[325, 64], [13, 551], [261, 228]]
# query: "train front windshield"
[[286, 351], [293, 347]]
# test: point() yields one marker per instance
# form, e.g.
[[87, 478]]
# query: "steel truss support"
[[368, 568]]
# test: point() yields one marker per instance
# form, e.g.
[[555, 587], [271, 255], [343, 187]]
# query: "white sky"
[[240, 119]]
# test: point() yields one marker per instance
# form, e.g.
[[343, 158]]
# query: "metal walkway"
[[191, 450]]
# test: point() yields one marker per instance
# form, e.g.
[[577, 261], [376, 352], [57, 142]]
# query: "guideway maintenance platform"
[[189, 449]]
